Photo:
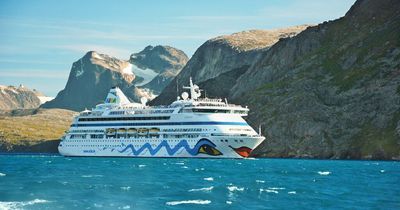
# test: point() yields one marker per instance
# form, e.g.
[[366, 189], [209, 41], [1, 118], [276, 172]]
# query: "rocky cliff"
[[144, 75], [12, 97], [90, 79], [331, 91], [226, 57], [166, 61]]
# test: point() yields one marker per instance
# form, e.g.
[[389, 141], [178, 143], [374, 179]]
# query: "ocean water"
[[55, 182]]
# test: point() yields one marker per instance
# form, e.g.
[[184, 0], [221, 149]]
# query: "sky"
[[40, 39]]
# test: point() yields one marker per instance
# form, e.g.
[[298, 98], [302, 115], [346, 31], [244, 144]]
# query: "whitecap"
[[382, 171], [180, 163], [204, 189], [324, 173], [276, 188], [229, 202], [269, 191], [260, 181], [209, 179], [184, 167], [235, 188], [239, 163], [125, 188], [291, 192], [200, 202], [1, 174], [98, 205], [125, 207], [20, 204], [91, 175], [141, 166]]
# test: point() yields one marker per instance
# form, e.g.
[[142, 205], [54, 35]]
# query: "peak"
[[257, 39]]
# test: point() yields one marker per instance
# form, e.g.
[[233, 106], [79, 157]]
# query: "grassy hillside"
[[33, 127]]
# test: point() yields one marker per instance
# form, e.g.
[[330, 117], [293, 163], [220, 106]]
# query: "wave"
[[204, 189], [1, 174], [324, 173], [276, 188], [125, 188], [268, 191], [20, 204], [235, 188], [90, 176], [200, 202], [209, 179]]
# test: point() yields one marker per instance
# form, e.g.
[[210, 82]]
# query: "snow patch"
[[127, 70], [147, 74], [44, 99]]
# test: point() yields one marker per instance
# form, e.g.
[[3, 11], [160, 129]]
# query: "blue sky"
[[39, 40]]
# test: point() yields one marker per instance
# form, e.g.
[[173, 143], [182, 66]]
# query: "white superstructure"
[[189, 127]]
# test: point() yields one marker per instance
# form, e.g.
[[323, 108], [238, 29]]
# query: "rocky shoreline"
[[26, 146]]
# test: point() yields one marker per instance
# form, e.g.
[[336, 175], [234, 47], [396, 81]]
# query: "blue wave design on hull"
[[171, 151]]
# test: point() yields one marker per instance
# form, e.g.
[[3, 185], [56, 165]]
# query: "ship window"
[[125, 118], [211, 110]]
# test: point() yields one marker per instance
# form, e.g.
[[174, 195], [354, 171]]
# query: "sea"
[[56, 182]]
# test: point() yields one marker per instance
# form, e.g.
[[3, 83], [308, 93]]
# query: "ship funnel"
[[116, 96]]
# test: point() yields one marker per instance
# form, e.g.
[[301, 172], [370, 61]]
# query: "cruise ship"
[[190, 127]]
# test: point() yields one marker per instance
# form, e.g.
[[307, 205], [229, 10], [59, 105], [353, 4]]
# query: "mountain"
[[12, 97], [90, 79], [166, 61], [94, 74], [221, 60], [332, 91]]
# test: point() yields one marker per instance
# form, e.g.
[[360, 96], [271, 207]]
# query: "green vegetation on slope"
[[43, 125]]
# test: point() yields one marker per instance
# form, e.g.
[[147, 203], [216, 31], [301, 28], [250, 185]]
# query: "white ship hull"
[[219, 147]]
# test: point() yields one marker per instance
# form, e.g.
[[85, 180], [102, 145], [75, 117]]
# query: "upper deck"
[[117, 104]]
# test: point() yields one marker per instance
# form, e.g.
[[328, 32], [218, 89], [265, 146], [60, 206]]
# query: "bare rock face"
[[230, 53], [18, 98], [144, 75], [332, 91], [90, 79], [166, 61]]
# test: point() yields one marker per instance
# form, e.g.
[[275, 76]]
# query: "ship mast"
[[194, 90]]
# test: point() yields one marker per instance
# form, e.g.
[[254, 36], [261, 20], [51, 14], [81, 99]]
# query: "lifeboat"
[[154, 130], [132, 130], [143, 131], [121, 130], [110, 131]]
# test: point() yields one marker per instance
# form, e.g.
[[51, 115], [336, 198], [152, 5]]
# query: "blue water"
[[55, 182]]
